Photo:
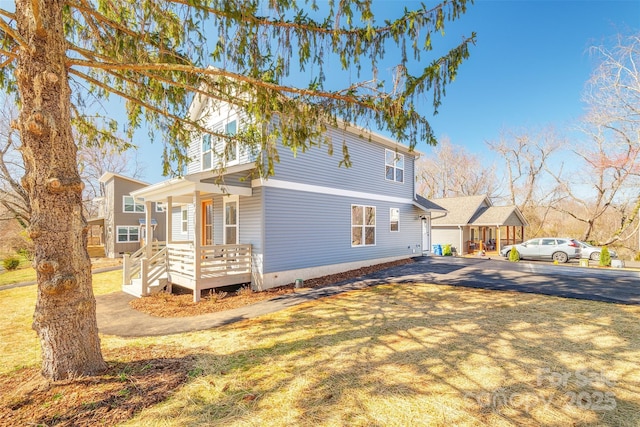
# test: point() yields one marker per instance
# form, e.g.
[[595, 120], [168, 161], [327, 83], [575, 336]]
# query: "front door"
[[426, 234]]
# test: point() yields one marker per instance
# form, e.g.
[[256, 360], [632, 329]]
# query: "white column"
[[169, 217], [197, 237], [147, 226]]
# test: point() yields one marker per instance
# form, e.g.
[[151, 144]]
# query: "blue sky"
[[527, 69]]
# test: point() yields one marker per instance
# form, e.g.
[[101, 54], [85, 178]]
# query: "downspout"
[[461, 239]]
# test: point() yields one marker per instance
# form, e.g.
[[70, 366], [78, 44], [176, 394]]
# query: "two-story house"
[[310, 219], [122, 218]]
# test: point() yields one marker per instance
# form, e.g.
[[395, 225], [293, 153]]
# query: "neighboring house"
[[122, 218], [311, 219], [474, 224]]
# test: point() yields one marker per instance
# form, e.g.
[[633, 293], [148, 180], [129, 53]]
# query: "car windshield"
[[584, 244]]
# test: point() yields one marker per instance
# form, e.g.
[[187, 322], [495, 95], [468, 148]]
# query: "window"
[[394, 219], [130, 205], [231, 151], [184, 219], [363, 225], [394, 166], [160, 207], [207, 154], [231, 220], [128, 233]]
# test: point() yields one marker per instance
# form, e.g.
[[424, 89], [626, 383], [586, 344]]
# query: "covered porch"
[[490, 239], [191, 257]]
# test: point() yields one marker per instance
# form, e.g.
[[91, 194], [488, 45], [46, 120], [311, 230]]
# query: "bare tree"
[[609, 168], [13, 198], [527, 157], [452, 171], [94, 161]]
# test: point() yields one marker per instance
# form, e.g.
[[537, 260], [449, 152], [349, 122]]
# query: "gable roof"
[[461, 209], [498, 215], [108, 175]]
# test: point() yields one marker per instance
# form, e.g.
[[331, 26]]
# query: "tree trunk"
[[65, 314]]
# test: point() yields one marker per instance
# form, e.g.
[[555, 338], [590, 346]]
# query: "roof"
[[478, 211], [498, 215], [108, 175], [427, 205], [461, 209]]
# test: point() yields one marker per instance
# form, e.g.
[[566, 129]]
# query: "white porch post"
[[168, 218], [498, 246], [197, 237], [147, 227]]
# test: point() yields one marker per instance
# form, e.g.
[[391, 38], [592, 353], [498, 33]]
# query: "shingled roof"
[[478, 211]]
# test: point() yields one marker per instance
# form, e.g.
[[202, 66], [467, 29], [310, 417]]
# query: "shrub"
[[514, 256], [11, 263], [446, 251], [605, 257], [637, 258]]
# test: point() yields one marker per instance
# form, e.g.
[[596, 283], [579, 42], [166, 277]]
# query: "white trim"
[[390, 220], [270, 280], [230, 199], [396, 158], [184, 222], [308, 188], [364, 226], [135, 203], [128, 227]]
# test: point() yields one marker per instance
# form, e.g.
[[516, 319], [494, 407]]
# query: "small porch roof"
[[181, 189], [427, 205]]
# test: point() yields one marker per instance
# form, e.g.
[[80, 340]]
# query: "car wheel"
[[595, 256], [560, 257]]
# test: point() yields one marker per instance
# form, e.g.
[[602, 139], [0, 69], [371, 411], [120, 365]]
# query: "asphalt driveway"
[[116, 317], [608, 285]]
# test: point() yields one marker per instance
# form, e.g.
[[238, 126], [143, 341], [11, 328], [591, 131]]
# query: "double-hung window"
[[128, 233], [130, 205], [363, 225], [394, 219], [207, 153], [231, 150], [184, 219], [394, 166]]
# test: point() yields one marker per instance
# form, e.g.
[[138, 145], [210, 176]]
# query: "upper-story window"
[[130, 205], [207, 154], [394, 166], [231, 150]]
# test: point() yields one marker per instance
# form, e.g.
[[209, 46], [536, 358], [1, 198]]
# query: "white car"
[[546, 248], [593, 252]]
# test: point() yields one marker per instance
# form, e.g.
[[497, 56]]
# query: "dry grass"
[[401, 355]]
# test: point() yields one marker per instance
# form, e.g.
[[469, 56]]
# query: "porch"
[[488, 239], [203, 248], [179, 263]]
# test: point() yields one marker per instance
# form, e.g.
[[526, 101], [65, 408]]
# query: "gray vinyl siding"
[[215, 121], [252, 226], [367, 173], [308, 230], [176, 224]]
